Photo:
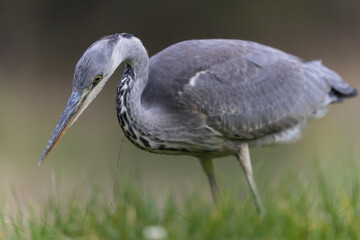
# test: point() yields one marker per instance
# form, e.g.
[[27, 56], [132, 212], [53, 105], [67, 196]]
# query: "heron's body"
[[205, 98]]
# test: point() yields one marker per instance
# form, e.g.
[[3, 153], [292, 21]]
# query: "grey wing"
[[242, 89], [248, 98]]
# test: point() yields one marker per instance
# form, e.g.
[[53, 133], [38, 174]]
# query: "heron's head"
[[92, 71]]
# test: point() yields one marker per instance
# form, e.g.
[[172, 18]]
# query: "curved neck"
[[133, 52], [130, 88]]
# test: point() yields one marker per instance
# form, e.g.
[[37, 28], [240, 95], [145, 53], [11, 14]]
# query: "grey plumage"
[[205, 98], [245, 90]]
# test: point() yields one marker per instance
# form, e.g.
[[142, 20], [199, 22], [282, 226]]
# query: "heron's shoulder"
[[192, 56], [213, 47]]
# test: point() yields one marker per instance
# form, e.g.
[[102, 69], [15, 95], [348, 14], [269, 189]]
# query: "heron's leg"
[[208, 168], [243, 157]]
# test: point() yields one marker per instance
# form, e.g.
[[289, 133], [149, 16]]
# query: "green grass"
[[317, 209]]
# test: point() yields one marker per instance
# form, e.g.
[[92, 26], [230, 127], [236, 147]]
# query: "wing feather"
[[239, 88], [242, 98]]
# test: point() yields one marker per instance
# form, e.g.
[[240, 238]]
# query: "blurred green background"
[[41, 41]]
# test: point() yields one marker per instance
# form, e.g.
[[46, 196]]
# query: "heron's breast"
[[173, 141]]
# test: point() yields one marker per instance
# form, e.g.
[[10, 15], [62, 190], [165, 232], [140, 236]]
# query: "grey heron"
[[204, 98]]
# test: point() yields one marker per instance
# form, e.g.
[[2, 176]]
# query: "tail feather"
[[338, 96], [339, 89]]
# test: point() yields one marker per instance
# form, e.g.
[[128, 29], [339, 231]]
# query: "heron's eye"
[[97, 78]]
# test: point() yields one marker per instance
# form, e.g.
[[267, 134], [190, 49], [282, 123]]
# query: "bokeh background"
[[41, 41]]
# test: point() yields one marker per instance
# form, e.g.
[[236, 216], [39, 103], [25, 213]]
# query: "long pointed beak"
[[71, 112]]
